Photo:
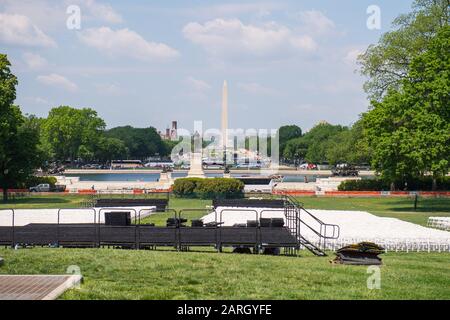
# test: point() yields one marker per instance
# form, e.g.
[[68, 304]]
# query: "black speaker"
[[252, 223], [265, 222], [197, 223], [277, 223], [175, 222], [117, 218]]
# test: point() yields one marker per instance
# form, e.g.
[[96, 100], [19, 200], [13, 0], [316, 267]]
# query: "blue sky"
[[150, 62]]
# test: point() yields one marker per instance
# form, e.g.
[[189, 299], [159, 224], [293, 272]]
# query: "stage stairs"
[[296, 216]]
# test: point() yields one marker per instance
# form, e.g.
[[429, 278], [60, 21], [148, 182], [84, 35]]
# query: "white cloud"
[[18, 30], [58, 81], [235, 9], [197, 89], [352, 56], [126, 43], [110, 89], [221, 37], [99, 11], [34, 61], [256, 88], [44, 14], [197, 84], [316, 22], [37, 100], [50, 14]]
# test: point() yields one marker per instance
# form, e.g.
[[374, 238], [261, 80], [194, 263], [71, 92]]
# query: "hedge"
[[422, 184], [211, 188]]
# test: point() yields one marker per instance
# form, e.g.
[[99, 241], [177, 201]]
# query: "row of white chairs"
[[441, 223], [392, 245]]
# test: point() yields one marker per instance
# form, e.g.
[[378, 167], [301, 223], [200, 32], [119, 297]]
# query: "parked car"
[[345, 170], [45, 187], [159, 165], [307, 166]]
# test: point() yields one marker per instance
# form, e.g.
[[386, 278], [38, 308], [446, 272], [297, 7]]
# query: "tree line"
[[324, 143], [70, 134], [405, 134]]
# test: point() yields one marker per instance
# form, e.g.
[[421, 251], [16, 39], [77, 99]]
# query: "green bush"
[[422, 184], [364, 185], [185, 187], [208, 188]]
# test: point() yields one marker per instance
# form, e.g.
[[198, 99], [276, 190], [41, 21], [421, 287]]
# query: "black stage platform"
[[141, 236], [259, 234]]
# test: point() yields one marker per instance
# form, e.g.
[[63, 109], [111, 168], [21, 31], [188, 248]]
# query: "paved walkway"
[[36, 287]]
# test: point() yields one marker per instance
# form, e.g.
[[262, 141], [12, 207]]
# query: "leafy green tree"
[[348, 146], [317, 139], [409, 131], [72, 133], [19, 136], [169, 145], [296, 149], [314, 145], [286, 133], [111, 149], [141, 142], [386, 63]]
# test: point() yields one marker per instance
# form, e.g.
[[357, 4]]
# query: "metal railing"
[[322, 231]]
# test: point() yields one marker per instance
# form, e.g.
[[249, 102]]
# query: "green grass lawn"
[[127, 274], [121, 274]]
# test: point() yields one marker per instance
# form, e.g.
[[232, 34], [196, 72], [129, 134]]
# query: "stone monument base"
[[196, 170]]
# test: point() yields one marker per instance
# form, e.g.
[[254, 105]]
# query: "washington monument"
[[225, 116]]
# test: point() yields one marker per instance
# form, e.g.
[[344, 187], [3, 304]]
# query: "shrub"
[[422, 184], [208, 188], [363, 185], [185, 187]]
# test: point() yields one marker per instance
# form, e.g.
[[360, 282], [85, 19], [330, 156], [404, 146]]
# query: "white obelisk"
[[225, 116]]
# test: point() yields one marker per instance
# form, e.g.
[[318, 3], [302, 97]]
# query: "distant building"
[[170, 133], [174, 131]]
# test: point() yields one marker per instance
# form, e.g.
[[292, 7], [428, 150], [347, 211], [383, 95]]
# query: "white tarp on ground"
[[355, 226], [24, 217]]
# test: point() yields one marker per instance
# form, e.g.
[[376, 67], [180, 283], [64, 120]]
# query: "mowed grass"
[[130, 274], [46, 202], [121, 274]]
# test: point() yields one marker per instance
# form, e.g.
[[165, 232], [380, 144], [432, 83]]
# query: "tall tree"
[[71, 133], [317, 139], [409, 131], [111, 149], [19, 136], [141, 142], [314, 144], [286, 133], [349, 146], [386, 63]]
